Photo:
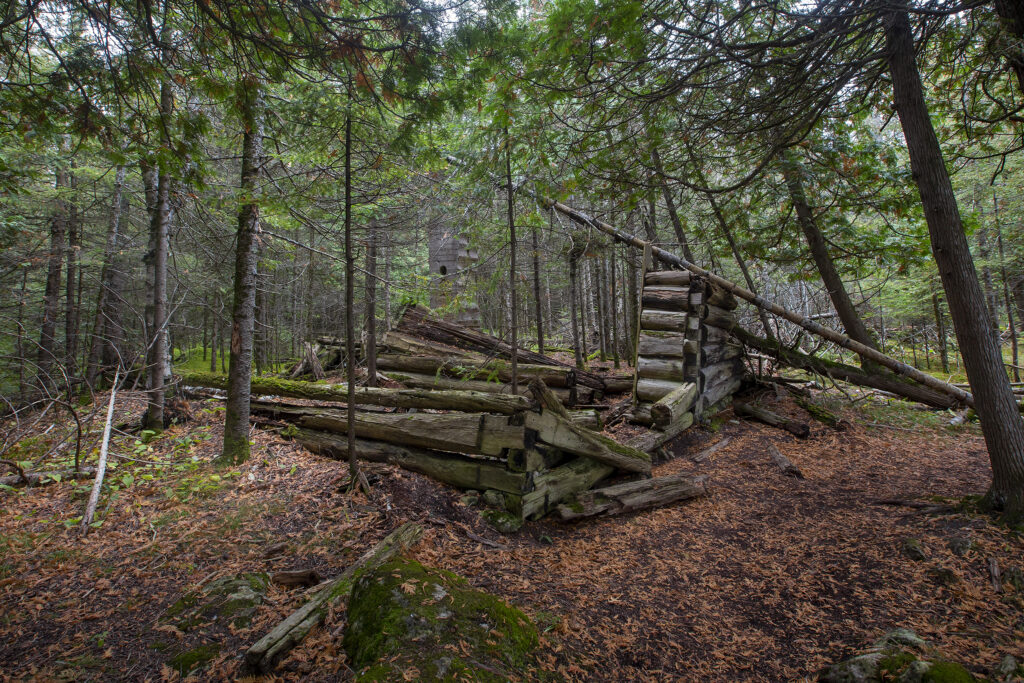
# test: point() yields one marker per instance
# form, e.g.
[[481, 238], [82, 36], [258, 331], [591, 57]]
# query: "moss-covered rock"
[[230, 599], [900, 655], [199, 656], [504, 522], [913, 549], [406, 619]]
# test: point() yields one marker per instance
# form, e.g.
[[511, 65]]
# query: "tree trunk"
[[350, 323], [538, 309], [1011, 322], [514, 309], [940, 331], [51, 296], [577, 352], [670, 204], [371, 305], [1011, 14], [106, 298], [1001, 423], [73, 279], [852, 323], [243, 314], [613, 289]]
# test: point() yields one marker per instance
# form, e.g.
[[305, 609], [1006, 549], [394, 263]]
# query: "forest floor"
[[768, 578]]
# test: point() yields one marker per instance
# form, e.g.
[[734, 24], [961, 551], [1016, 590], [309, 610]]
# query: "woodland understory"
[[291, 292]]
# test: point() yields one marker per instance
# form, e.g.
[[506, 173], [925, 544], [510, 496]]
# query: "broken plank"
[[632, 496]]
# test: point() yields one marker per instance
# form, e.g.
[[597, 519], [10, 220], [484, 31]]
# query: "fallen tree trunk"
[[633, 495], [488, 371], [398, 343], [269, 649], [467, 401], [44, 478], [797, 429], [783, 463], [569, 396], [415, 321], [875, 380]]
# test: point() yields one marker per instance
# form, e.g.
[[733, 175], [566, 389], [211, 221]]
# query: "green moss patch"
[[405, 618], [233, 599], [902, 656], [197, 657]]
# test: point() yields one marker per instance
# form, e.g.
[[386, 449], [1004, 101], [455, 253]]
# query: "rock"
[[913, 549], [900, 655], [916, 672], [899, 638], [501, 521], [1007, 669], [407, 621], [494, 498], [860, 669], [961, 545], [233, 599], [943, 576], [470, 499]]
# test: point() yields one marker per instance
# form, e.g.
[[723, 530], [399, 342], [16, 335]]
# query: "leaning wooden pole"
[[843, 340]]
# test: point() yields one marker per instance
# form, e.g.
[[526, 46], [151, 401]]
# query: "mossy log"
[[568, 396], [716, 316], [486, 371], [554, 486], [678, 278], [669, 321], [821, 414], [673, 405], [554, 426], [654, 389], [397, 343], [651, 441], [460, 471], [633, 495], [875, 379], [666, 298], [665, 344], [269, 649], [794, 427], [463, 400], [641, 413], [416, 322], [618, 383]]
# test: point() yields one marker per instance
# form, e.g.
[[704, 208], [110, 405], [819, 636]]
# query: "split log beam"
[[554, 486], [651, 441], [710, 450], [269, 649], [716, 353], [398, 343], [569, 396], [783, 463], [461, 400], [458, 470], [555, 427], [674, 405], [797, 429], [633, 495]]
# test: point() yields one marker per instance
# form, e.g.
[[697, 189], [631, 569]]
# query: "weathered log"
[[554, 427], [654, 389], [716, 336], [783, 463], [569, 396], [671, 321], [416, 322], [715, 316], [665, 344], [666, 298], [820, 413], [269, 649], [397, 343], [44, 478], [674, 404], [716, 353], [460, 471], [659, 368], [554, 486], [589, 418], [487, 371], [679, 278], [468, 401], [718, 373], [641, 413], [710, 450], [875, 379], [652, 440], [618, 383], [717, 394], [721, 298], [794, 427], [633, 495]]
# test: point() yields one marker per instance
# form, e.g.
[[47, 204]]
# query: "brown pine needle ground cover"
[[769, 578]]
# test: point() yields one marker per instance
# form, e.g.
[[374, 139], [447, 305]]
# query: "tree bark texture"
[[108, 294], [51, 295]]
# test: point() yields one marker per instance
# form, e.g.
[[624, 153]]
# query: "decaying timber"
[[795, 427], [673, 405], [633, 495], [491, 371], [783, 463]]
